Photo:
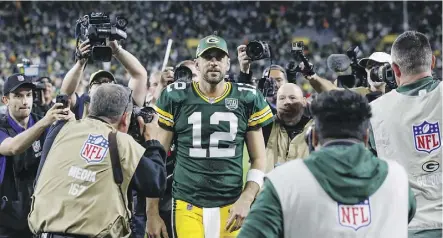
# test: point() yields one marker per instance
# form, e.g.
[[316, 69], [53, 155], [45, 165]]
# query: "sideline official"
[[22, 135], [407, 128], [76, 193], [341, 189]]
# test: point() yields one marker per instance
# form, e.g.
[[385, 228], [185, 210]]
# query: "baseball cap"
[[101, 74], [210, 42], [15, 81], [379, 57]]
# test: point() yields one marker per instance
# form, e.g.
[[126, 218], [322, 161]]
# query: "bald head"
[[290, 89], [290, 103]]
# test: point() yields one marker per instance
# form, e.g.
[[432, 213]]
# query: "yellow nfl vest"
[[280, 149], [76, 193]]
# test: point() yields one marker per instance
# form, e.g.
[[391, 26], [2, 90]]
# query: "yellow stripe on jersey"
[[164, 113], [225, 93], [258, 120], [259, 113], [164, 117], [166, 122]]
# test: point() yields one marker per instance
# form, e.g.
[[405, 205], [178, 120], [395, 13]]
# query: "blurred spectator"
[[44, 31]]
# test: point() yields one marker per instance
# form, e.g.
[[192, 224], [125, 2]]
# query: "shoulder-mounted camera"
[[97, 27]]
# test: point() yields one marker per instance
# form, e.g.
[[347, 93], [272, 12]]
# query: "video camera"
[[97, 27], [383, 73], [293, 68], [33, 71], [28, 69], [147, 113], [358, 77]]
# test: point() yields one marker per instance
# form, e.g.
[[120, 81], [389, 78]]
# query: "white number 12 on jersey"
[[196, 120]]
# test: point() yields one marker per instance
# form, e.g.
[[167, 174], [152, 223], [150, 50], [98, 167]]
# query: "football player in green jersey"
[[210, 121]]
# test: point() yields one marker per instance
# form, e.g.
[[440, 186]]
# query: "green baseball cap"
[[210, 42]]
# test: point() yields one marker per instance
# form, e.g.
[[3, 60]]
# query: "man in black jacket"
[[21, 139]]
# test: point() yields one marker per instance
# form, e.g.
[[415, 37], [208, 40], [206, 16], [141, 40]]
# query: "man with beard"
[[211, 120], [284, 138]]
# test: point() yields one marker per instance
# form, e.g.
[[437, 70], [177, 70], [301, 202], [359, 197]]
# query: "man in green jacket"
[[339, 190]]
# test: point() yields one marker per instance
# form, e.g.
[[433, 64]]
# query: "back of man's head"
[[412, 52], [341, 114], [110, 101]]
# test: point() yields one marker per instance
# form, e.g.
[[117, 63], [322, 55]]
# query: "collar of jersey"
[[225, 93]]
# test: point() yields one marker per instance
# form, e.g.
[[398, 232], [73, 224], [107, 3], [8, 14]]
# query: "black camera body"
[[97, 27], [292, 68], [147, 113], [358, 78], [37, 93], [183, 74], [63, 99], [257, 50], [384, 73]]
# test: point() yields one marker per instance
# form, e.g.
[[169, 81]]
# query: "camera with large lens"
[[183, 74], [98, 27], [257, 50], [383, 73], [147, 113]]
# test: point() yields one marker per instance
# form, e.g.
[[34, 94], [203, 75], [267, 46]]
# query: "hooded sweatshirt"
[[346, 171]]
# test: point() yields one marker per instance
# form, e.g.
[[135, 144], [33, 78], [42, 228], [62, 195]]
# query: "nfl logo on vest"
[[427, 137]]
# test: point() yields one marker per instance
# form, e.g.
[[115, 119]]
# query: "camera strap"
[[117, 168]]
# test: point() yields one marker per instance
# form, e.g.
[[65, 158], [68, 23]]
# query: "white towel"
[[211, 222]]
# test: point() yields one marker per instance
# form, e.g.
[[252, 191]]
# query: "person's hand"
[[56, 113], [148, 130], [243, 59], [115, 46], [167, 76], [237, 214], [307, 72], [83, 51], [155, 227]]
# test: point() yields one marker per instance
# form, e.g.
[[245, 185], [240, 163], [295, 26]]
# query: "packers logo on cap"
[[212, 40]]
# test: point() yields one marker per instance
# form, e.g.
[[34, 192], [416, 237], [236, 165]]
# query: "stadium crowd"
[[35, 30], [207, 147]]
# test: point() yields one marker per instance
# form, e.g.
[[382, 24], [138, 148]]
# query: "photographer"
[[73, 78], [375, 75], [22, 135], [83, 160], [406, 128], [284, 138], [277, 73]]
